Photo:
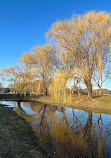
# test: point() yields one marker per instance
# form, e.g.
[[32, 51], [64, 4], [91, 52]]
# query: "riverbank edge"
[[30, 134], [95, 105]]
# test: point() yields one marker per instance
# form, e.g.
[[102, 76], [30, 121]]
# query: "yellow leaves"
[[79, 40], [82, 47], [36, 87], [58, 24], [8, 73], [100, 67], [27, 58], [8, 69], [103, 17], [58, 87]]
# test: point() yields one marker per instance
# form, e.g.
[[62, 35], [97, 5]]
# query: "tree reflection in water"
[[67, 136]]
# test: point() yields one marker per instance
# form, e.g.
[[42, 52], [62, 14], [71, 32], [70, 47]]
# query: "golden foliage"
[[82, 47], [84, 40]]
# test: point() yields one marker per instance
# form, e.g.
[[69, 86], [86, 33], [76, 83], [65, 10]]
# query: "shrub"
[[7, 90]]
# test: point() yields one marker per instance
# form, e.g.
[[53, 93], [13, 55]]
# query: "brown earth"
[[17, 140]]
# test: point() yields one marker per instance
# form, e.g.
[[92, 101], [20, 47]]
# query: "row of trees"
[[79, 50]]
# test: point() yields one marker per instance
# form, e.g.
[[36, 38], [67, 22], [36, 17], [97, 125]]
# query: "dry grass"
[[16, 136], [97, 104]]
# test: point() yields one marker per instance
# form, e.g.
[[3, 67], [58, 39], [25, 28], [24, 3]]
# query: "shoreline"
[[100, 104], [95, 105]]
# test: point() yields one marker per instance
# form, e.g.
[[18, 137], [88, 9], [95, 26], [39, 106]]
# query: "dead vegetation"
[[16, 137]]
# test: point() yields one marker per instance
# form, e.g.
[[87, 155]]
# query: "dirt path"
[[16, 137]]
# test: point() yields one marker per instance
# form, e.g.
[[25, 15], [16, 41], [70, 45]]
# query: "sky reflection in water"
[[67, 132]]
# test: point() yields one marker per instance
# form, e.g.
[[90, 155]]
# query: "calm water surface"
[[67, 132]]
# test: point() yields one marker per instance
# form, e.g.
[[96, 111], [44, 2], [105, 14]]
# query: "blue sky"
[[23, 23]]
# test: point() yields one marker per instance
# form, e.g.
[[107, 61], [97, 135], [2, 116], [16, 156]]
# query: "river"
[[67, 132]]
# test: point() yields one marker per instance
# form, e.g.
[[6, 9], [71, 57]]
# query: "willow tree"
[[43, 60], [63, 76], [8, 74], [20, 76], [103, 73], [57, 87], [87, 39], [25, 78]]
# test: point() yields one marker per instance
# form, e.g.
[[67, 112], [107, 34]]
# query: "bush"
[[7, 90]]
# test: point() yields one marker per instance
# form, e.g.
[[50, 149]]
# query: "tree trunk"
[[45, 88], [46, 91], [89, 88], [89, 93], [100, 91]]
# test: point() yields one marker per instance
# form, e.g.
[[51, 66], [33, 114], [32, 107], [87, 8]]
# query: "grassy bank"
[[97, 104], [16, 136]]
